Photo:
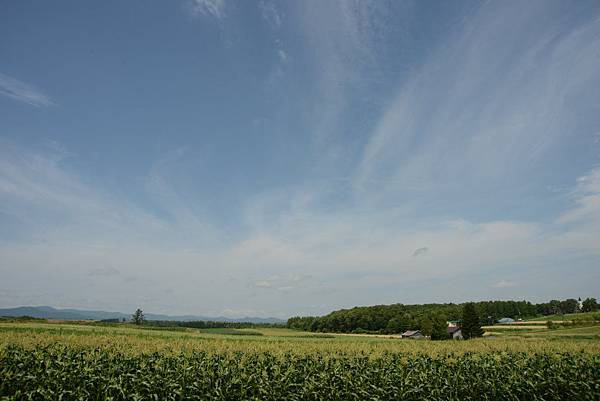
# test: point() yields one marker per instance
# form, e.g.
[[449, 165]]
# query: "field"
[[46, 360], [567, 317]]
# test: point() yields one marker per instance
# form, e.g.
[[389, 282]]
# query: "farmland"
[[44, 360], [567, 317]]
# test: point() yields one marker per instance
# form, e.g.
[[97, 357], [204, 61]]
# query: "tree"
[[569, 306], [138, 317], [589, 305], [426, 327], [395, 325], [471, 327], [439, 329]]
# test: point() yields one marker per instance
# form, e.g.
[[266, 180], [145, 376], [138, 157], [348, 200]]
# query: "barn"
[[455, 333], [415, 334]]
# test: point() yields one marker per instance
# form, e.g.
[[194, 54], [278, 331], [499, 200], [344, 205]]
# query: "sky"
[[277, 158]]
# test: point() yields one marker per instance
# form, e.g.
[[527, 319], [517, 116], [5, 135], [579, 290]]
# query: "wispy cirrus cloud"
[[289, 246], [504, 284], [490, 100], [36, 185], [492, 103], [282, 283], [586, 195], [582, 220], [23, 92], [213, 8], [341, 53], [270, 13]]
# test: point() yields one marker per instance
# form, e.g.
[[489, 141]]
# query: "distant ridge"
[[48, 312]]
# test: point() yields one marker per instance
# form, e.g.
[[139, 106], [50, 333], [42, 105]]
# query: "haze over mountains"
[[48, 312]]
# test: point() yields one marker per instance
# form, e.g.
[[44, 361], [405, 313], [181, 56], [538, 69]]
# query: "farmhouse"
[[413, 334], [455, 333]]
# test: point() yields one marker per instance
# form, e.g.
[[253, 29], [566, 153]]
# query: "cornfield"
[[62, 372], [129, 340]]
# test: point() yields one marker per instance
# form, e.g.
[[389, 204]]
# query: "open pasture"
[[560, 318]]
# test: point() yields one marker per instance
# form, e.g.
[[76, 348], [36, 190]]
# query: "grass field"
[[48, 360], [588, 333], [566, 317]]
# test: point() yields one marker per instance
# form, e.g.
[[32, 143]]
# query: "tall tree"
[[439, 330], [569, 306], [138, 317], [471, 327], [426, 326], [589, 305]]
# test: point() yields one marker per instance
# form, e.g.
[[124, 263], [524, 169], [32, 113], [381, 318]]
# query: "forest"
[[397, 318]]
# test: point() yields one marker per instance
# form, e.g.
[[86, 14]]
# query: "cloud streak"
[[381, 210], [342, 54], [491, 104], [270, 13], [301, 251], [23, 92], [504, 284], [211, 8]]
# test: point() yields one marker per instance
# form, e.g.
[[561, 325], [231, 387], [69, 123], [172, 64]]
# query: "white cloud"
[[448, 124], [582, 220], [38, 191], [487, 106], [342, 56], [263, 284], [504, 284], [587, 200], [214, 8], [296, 252], [283, 283], [270, 13], [23, 92], [283, 57]]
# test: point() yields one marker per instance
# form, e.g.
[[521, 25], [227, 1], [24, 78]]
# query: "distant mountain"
[[47, 312], [42, 312]]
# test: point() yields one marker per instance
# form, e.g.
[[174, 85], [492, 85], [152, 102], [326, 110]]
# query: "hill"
[[48, 312]]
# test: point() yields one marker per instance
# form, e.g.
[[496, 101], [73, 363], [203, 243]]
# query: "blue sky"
[[273, 158]]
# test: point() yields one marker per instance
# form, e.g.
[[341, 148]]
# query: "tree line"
[[208, 324], [138, 318], [397, 318]]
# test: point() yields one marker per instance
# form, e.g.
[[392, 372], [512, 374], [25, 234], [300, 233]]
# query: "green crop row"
[[59, 372]]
